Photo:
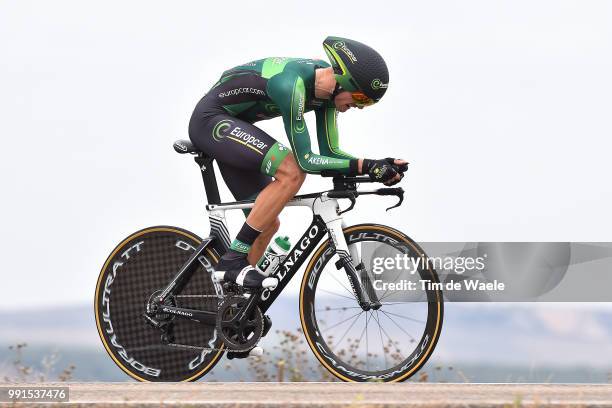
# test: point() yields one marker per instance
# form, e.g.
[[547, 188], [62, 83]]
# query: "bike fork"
[[348, 254]]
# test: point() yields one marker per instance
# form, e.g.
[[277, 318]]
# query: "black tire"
[[344, 357], [141, 264]]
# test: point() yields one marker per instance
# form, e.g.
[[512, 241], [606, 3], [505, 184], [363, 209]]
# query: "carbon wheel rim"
[[345, 354], [141, 264]]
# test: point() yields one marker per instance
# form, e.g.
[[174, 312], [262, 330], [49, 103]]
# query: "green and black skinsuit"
[[222, 123]]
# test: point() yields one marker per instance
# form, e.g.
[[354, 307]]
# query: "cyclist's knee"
[[289, 172]]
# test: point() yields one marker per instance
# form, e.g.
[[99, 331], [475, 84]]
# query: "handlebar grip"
[[354, 179], [390, 191], [342, 194], [330, 173]]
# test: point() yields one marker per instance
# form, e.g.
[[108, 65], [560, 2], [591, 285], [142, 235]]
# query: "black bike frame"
[[219, 240], [263, 298]]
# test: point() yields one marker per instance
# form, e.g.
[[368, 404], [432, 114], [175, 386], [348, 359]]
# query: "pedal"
[[218, 276], [237, 354], [230, 288], [268, 283], [254, 352]]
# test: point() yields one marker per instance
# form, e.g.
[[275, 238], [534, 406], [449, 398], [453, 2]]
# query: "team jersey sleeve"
[[288, 92], [327, 133]]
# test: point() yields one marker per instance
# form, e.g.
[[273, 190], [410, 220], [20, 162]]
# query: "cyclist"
[[254, 164]]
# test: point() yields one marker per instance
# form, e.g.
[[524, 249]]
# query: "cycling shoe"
[[243, 274]]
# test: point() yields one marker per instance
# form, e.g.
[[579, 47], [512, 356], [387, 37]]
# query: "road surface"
[[315, 395]]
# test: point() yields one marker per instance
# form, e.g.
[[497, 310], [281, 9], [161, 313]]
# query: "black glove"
[[381, 171], [401, 168]]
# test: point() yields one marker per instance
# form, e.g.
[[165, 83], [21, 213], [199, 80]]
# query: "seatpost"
[[208, 176]]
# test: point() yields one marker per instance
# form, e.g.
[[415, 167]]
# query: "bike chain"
[[200, 348], [200, 296]]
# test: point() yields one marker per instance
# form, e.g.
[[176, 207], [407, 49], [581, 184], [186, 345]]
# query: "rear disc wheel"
[[142, 264]]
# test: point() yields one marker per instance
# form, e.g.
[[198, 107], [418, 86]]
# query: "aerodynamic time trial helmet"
[[358, 69]]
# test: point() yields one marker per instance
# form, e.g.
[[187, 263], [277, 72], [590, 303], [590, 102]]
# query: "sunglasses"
[[361, 99]]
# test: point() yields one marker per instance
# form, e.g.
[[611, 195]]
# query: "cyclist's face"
[[344, 101]]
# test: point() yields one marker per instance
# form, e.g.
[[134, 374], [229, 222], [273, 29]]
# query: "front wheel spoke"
[[364, 332], [400, 327], [367, 344], [341, 284], [347, 330], [342, 321], [382, 341], [390, 339], [336, 294], [404, 317], [329, 309], [396, 276]]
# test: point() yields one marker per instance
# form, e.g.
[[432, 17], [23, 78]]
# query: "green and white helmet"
[[357, 67]]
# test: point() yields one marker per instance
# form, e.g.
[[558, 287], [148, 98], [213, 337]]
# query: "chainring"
[[237, 334]]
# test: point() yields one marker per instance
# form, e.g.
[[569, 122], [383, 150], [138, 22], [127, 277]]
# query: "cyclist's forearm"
[[315, 164]]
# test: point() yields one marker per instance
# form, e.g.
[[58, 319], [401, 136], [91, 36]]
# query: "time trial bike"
[[162, 314]]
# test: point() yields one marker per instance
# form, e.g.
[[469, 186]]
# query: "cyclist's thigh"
[[237, 143], [244, 184]]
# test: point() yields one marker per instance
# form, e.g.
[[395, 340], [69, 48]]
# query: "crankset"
[[240, 331], [239, 323]]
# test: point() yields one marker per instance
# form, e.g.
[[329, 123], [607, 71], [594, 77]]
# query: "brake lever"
[[349, 195], [399, 202], [350, 207], [399, 193]]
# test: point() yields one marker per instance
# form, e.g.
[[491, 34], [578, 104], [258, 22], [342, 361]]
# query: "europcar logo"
[[299, 117], [222, 131], [340, 45], [222, 126], [238, 91], [377, 84]]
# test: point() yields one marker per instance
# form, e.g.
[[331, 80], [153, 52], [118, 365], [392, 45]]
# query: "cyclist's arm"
[[327, 133], [288, 92]]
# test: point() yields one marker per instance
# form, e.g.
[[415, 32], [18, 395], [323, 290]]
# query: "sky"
[[501, 107]]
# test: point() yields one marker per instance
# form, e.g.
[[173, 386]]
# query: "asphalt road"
[[334, 395]]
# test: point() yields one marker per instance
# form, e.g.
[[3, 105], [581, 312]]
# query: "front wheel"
[[387, 344], [138, 268]]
